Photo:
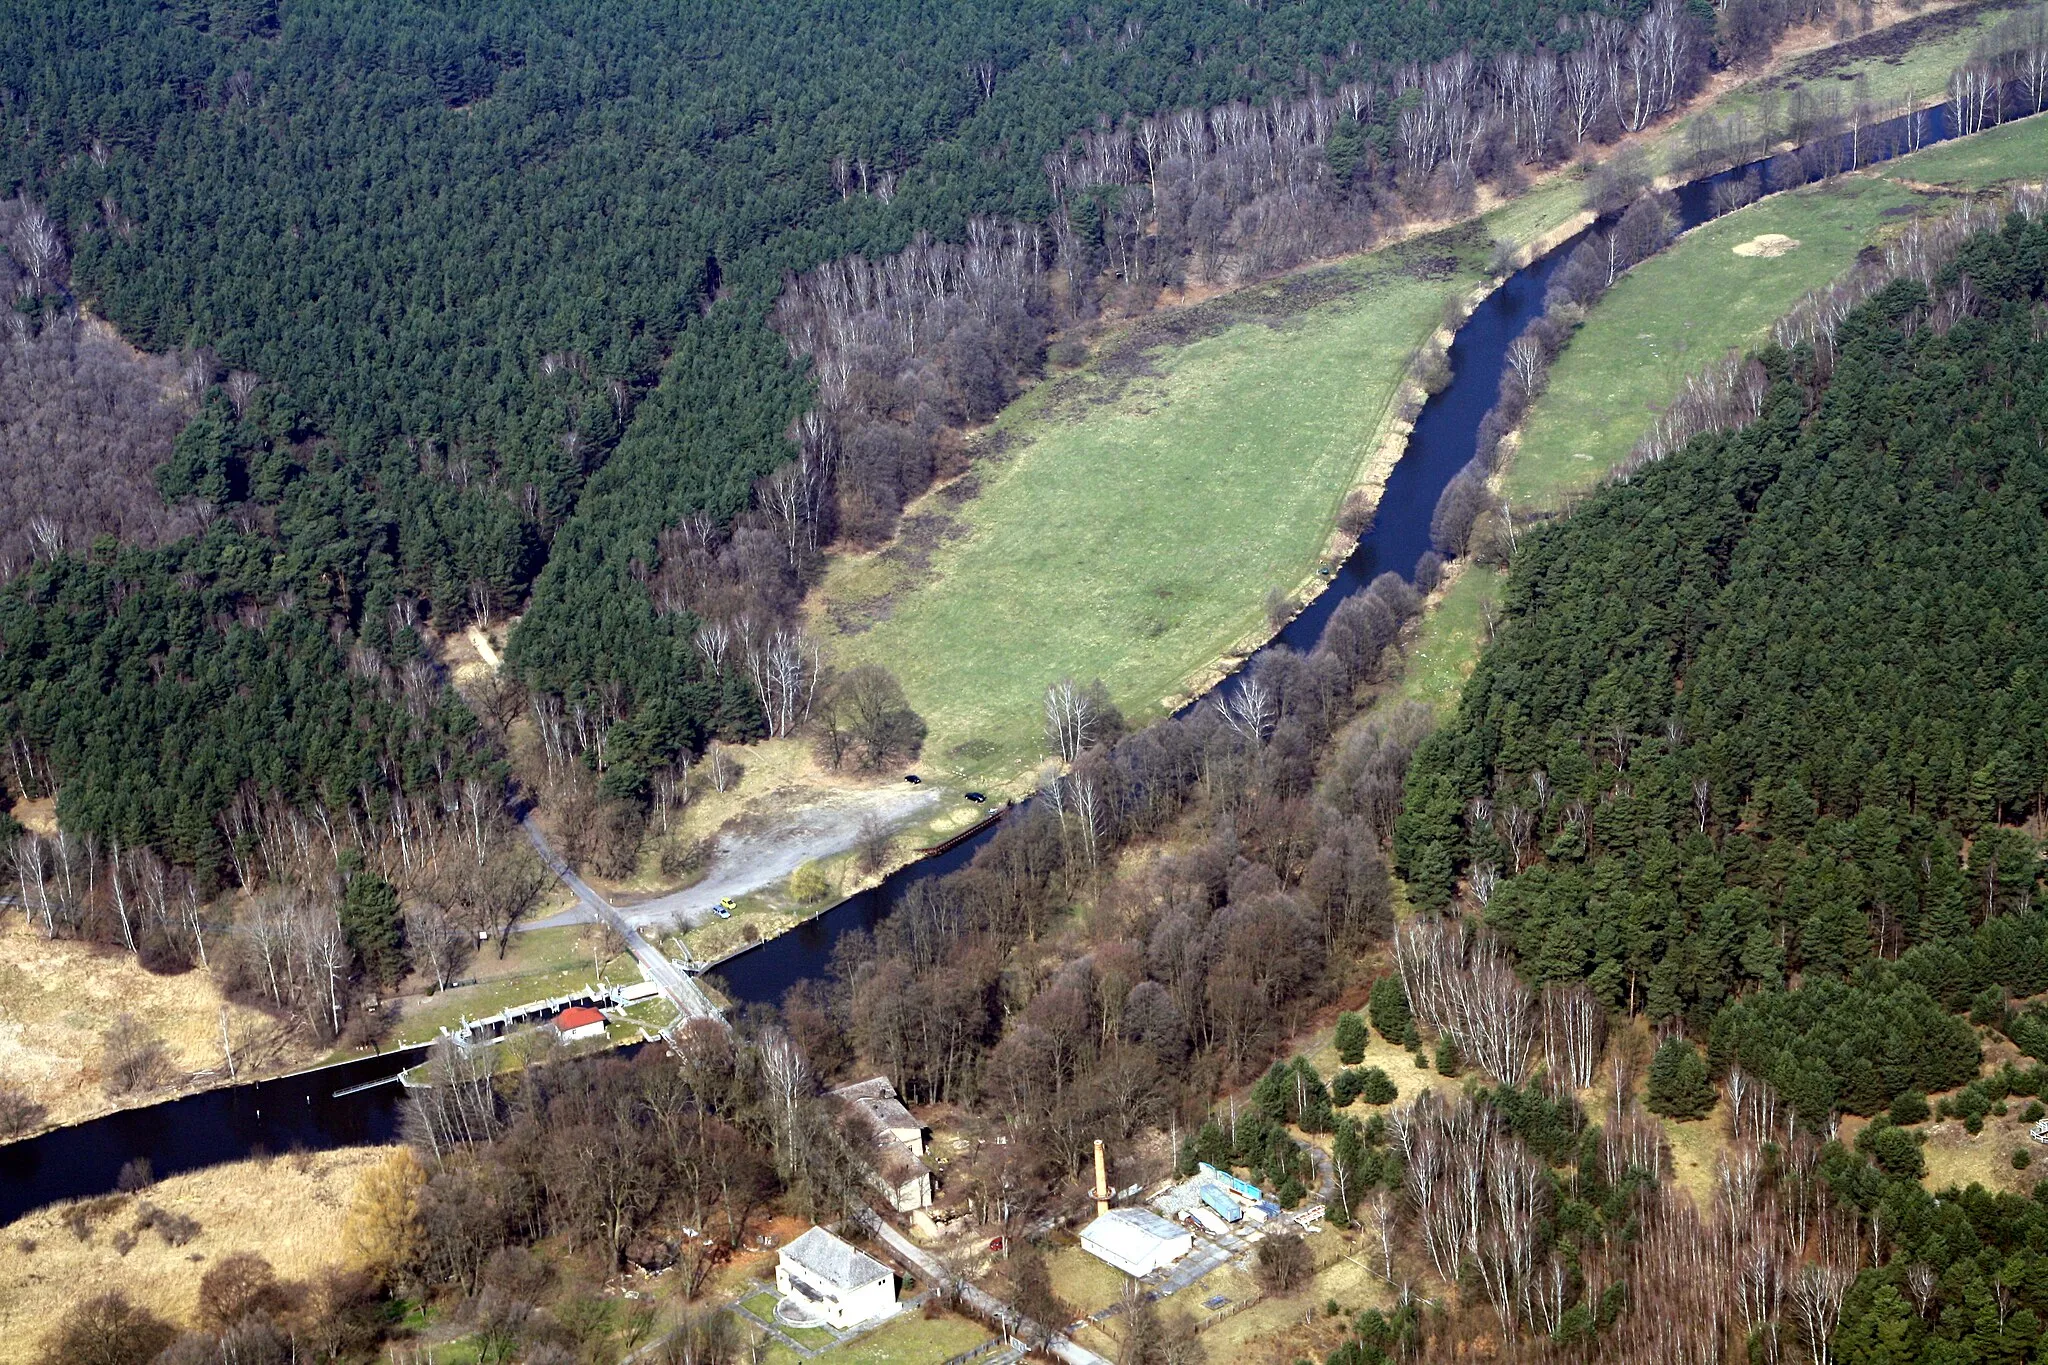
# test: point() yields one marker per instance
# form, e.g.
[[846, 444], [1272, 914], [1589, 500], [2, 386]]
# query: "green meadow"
[[1447, 642], [1676, 313], [1141, 507], [1680, 310], [1906, 64], [2011, 152]]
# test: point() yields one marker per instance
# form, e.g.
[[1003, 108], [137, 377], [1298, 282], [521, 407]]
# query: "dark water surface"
[[230, 1124]]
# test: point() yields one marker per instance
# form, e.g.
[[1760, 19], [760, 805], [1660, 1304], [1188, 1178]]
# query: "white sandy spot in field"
[[1768, 246], [482, 643]]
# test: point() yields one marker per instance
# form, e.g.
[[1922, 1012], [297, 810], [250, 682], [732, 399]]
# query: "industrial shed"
[[1136, 1241], [895, 1142]]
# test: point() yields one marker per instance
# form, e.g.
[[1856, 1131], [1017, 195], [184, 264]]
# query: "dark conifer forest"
[[1772, 711], [484, 296]]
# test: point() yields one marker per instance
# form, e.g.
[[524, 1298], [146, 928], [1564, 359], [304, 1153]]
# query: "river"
[[1445, 436], [228, 1124], [304, 1111]]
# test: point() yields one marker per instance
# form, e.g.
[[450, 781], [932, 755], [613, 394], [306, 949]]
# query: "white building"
[[1136, 1241], [895, 1142], [578, 1022], [823, 1279]]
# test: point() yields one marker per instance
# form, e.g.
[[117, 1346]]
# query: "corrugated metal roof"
[[833, 1261], [1133, 1234]]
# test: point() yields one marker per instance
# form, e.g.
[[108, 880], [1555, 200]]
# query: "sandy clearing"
[[482, 644], [1768, 245]]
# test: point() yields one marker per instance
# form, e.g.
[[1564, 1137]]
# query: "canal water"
[[304, 1111], [301, 1111]]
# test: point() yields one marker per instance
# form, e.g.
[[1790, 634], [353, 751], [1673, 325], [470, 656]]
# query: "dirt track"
[[769, 851]]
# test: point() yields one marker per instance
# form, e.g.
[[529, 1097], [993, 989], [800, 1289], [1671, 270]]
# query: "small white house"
[[578, 1022], [824, 1279], [1136, 1241]]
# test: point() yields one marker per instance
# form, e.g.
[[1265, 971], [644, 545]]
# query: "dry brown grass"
[[1285, 1328], [39, 816], [57, 999], [287, 1209], [1955, 1157], [1399, 1064]]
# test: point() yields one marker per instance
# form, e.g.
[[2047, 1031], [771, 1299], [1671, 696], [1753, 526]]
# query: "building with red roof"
[[577, 1023]]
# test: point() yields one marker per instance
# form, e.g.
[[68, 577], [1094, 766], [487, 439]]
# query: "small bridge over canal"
[[678, 986]]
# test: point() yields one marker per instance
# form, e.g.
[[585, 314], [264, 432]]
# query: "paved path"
[[1015, 1323], [682, 992], [743, 862]]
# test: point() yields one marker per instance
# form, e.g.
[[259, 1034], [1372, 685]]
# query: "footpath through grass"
[[1146, 503]]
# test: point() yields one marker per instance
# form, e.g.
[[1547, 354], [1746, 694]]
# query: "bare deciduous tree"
[[1070, 718], [1462, 984], [1574, 1030]]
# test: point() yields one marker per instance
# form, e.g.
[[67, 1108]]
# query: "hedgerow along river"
[[303, 1111]]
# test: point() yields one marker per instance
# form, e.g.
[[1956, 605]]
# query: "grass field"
[[2011, 152], [1676, 313], [1907, 63], [912, 1339], [1529, 219], [1083, 1283], [1145, 504], [1448, 641], [1954, 1157], [1282, 1329], [44, 1268], [537, 965]]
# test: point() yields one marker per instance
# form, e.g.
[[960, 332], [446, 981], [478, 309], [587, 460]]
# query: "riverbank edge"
[[1388, 445], [1551, 509]]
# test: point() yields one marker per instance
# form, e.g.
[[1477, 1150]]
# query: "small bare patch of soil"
[[1769, 245]]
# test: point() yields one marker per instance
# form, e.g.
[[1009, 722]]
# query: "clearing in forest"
[[1713, 291], [1140, 508]]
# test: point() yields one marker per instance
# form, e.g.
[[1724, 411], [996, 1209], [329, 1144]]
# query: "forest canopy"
[[1772, 708], [500, 282]]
